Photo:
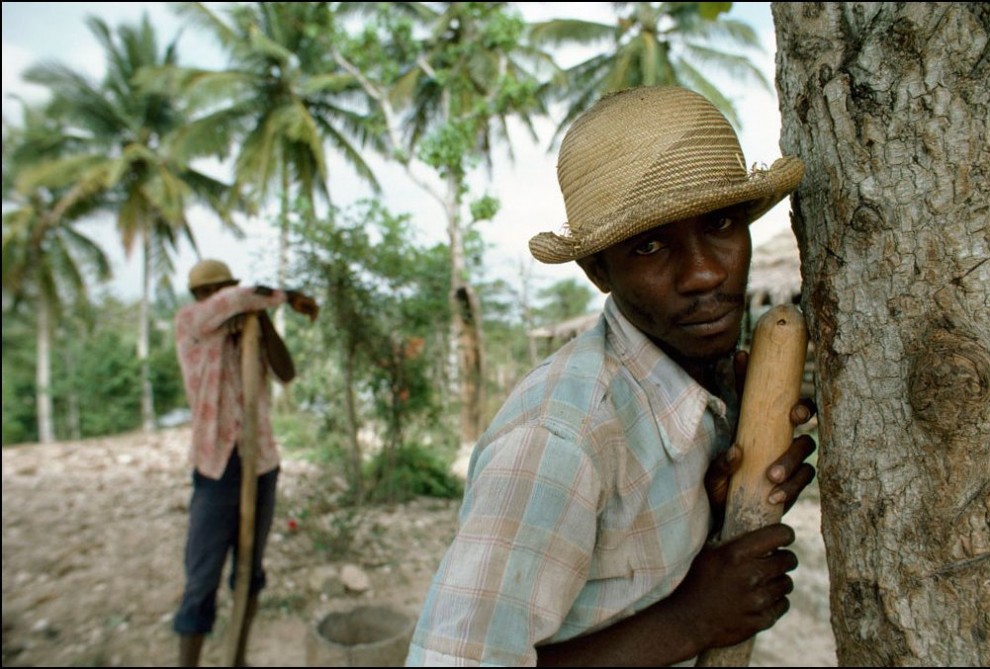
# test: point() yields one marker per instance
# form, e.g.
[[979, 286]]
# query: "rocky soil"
[[93, 533]]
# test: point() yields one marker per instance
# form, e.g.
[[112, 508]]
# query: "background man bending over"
[[208, 339]]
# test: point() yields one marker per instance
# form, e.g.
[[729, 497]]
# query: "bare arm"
[[275, 350], [731, 592], [225, 306], [278, 354]]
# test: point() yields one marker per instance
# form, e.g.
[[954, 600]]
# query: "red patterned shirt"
[[210, 357]]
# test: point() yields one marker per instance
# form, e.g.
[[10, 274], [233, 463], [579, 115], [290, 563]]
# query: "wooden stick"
[[765, 431], [247, 447]]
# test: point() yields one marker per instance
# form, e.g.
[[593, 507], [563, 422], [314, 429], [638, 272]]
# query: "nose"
[[701, 268]]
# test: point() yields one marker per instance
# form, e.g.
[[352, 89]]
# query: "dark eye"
[[648, 247], [723, 223]]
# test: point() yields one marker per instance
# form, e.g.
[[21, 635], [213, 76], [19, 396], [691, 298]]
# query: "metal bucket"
[[366, 635]]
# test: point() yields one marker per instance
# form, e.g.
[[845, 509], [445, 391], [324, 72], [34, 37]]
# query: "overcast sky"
[[528, 189]]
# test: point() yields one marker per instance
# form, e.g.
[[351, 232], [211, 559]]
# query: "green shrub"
[[411, 471]]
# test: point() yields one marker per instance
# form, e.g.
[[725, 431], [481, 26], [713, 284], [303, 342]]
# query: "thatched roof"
[[775, 273], [565, 329]]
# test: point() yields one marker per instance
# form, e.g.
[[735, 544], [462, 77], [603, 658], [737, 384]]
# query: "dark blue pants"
[[214, 519]]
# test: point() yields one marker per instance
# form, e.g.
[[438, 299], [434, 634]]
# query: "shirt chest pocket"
[[621, 563], [649, 550], [621, 554], [623, 580]]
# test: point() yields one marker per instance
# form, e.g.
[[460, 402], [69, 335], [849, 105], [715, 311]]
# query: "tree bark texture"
[[148, 422], [43, 371], [468, 336], [889, 106]]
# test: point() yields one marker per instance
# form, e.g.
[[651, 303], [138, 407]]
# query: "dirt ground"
[[93, 534]]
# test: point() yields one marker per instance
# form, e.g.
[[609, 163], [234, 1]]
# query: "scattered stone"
[[354, 579]]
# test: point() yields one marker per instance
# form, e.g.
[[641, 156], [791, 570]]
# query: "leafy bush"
[[411, 471], [298, 432]]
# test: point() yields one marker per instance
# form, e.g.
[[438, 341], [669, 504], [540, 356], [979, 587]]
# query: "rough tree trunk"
[[888, 104], [466, 326], [144, 339], [278, 393], [43, 371]]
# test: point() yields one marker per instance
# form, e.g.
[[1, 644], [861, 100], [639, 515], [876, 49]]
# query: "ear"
[[594, 267]]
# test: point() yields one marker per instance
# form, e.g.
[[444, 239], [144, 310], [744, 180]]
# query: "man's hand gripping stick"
[[765, 431]]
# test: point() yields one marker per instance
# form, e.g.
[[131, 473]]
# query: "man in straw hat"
[[208, 339], [591, 498]]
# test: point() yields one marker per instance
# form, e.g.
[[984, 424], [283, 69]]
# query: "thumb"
[[720, 472]]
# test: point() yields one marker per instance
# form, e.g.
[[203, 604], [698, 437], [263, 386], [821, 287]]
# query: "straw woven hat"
[[646, 156], [209, 271]]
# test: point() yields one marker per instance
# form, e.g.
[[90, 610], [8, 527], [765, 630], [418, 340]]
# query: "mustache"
[[708, 303]]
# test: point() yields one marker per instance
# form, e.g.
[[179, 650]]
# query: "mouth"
[[710, 324]]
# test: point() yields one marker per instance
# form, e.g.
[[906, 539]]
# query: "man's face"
[[207, 291], [683, 284]]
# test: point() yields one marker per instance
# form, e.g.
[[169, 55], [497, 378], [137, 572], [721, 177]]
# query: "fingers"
[[304, 304], [768, 583], [788, 492], [803, 411], [764, 565], [762, 542], [727, 463], [770, 601], [790, 472], [235, 324], [785, 466], [718, 476], [776, 605], [740, 587]]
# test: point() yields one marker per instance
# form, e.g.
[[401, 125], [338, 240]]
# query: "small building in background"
[[774, 278]]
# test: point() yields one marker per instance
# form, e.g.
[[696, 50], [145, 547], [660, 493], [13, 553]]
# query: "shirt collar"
[[678, 401]]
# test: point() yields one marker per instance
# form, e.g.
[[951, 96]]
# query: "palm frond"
[[199, 16], [561, 32]]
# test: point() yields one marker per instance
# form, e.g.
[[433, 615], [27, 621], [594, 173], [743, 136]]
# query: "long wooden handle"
[[765, 431], [247, 447]]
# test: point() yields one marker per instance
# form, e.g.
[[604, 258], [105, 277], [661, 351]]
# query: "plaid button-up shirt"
[[210, 357], [585, 502]]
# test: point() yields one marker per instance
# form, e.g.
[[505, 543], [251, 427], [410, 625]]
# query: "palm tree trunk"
[[43, 372], [277, 391], [73, 418], [147, 399], [350, 402]]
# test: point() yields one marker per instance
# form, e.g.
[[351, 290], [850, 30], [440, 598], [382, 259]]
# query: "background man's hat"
[[647, 156], [209, 271]]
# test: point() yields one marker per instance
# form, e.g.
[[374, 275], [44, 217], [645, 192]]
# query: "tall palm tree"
[[47, 261], [445, 100], [279, 101], [131, 161], [651, 44]]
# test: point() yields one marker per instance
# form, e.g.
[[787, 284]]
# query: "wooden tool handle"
[[765, 431], [247, 447]]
